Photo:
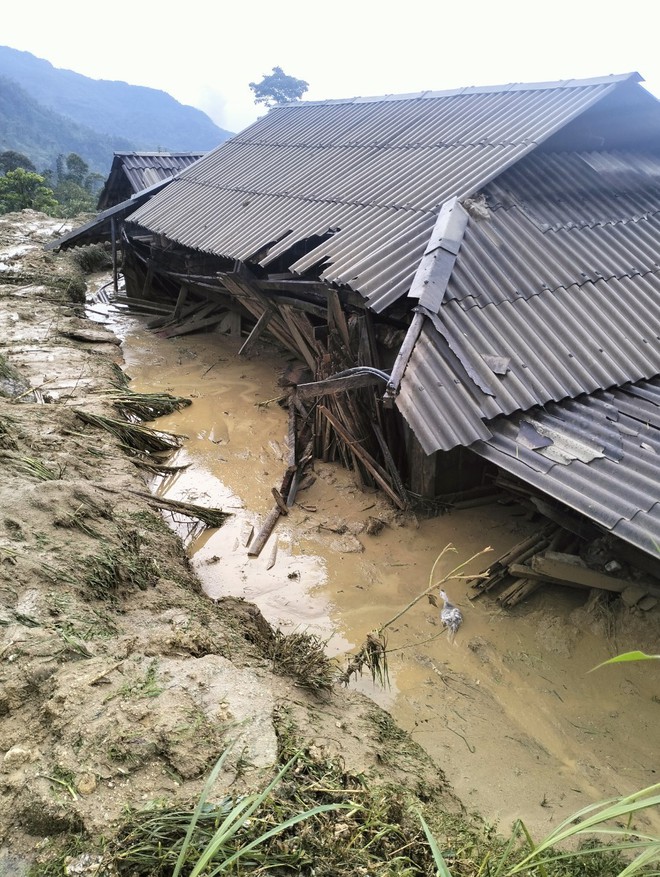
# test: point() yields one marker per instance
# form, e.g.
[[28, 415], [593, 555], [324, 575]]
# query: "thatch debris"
[[146, 406], [133, 436]]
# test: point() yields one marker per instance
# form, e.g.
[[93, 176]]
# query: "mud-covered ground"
[[510, 711], [120, 682], [128, 664]]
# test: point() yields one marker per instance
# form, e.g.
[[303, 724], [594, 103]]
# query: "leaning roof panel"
[[367, 175], [616, 433], [570, 307]]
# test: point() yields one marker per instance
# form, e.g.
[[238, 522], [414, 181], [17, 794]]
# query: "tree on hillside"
[[21, 189], [278, 88], [74, 186], [10, 160]]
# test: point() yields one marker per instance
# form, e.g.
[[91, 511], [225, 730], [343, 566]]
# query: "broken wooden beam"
[[259, 328], [574, 572], [279, 499], [180, 302], [337, 318], [266, 529], [517, 591], [365, 458]]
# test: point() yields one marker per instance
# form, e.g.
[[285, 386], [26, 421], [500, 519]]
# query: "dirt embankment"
[[120, 682]]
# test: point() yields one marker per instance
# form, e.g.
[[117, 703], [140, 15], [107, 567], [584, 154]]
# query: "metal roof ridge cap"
[[609, 79], [452, 215]]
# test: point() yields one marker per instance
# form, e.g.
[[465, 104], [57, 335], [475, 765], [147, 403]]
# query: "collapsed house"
[[471, 277]]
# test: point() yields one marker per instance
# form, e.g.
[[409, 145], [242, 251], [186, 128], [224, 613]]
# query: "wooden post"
[[181, 300], [262, 536], [113, 232], [259, 327]]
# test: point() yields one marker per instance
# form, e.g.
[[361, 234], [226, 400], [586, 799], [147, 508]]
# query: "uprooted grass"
[[302, 656], [115, 569]]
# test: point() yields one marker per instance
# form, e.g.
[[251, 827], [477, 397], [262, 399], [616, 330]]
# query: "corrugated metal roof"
[[143, 169], [132, 172], [618, 435], [571, 307], [367, 175]]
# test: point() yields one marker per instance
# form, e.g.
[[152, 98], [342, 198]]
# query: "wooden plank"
[[552, 564], [115, 270], [256, 303], [303, 347], [259, 327], [148, 277], [307, 307], [273, 555], [389, 462], [333, 386], [198, 322], [279, 499], [516, 592], [180, 302], [231, 324], [365, 458], [298, 474], [526, 572], [371, 335], [337, 318], [291, 433], [168, 320]]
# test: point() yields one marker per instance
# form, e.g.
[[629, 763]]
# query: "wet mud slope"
[[120, 681]]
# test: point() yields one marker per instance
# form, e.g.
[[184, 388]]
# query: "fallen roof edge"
[[124, 207]]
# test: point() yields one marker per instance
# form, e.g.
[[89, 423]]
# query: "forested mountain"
[[40, 134], [46, 111]]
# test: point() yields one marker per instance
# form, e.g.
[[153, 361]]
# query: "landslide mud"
[[120, 681], [510, 710]]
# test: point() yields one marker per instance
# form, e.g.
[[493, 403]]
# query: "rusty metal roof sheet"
[[367, 176], [568, 307], [598, 454]]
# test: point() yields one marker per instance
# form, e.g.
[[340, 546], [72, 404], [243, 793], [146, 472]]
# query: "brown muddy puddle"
[[508, 711]]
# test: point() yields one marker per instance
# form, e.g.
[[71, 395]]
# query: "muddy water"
[[508, 710]]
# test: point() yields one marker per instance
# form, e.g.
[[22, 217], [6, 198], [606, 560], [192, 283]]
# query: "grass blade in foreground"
[[625, 657], [619, 809], [440, 864], [198, 809], [239, 816]]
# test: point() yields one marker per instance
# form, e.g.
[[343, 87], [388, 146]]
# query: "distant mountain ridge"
[[45, 111]]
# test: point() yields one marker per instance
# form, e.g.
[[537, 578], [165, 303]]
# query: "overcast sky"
[[206, 53]]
